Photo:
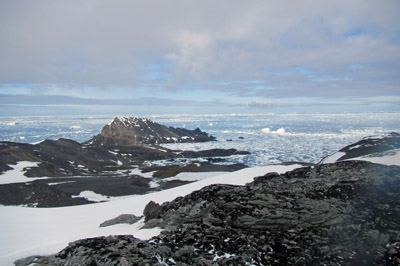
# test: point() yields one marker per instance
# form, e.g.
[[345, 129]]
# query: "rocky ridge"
[[346, 213]]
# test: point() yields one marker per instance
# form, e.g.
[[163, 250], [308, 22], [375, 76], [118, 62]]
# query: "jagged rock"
[[136, 130], [151, 211], [345, 213], [121, 219]]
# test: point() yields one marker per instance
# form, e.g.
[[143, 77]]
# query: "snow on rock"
[[31, 231], [333, 158], [391, 157], [92, 196], [382, 149], [16, 175]]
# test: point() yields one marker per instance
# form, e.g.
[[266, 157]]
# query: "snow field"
[[16, 175]]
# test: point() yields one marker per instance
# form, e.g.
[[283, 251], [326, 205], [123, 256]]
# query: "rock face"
[[347, 213], [134, 131]]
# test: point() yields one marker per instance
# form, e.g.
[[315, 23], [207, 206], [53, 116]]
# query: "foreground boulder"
[[347, 213]]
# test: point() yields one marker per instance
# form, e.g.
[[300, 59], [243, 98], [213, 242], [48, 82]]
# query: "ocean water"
[[271, 138]]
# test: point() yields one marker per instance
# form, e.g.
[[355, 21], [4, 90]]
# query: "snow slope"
[[382, 149], [391, 157], [43, 231]]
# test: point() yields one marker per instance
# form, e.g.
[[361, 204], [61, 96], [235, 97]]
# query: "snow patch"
[[17, 174], [113, 152], [58, 183], [154, 184], [137, 171], [186, 176], [92, 196], [37, 142], [334, 157], [391, 157]]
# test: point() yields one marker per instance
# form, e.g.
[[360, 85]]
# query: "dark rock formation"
[[212, 153], [173, 170], [134, 130], [151, 211], [121, 219], [347, 213], [37, 195]]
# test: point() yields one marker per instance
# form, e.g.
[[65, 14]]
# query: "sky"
[[228, 56]]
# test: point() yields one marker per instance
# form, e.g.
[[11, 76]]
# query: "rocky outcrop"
[[373, 146], [134, 130], [121, 219], [345, 213], [173, 170]]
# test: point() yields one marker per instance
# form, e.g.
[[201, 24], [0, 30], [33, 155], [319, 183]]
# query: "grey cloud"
[[105, 44], [70, 100]]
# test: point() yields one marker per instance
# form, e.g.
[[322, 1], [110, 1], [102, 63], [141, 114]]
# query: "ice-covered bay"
[[271, 138]]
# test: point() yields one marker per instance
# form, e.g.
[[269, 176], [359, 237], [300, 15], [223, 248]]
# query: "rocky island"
[[124, 131]]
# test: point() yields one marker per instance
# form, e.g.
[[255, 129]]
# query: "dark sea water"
[[271, 138]]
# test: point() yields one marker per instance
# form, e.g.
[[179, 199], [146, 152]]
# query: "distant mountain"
[[384, 149], [136, 130]]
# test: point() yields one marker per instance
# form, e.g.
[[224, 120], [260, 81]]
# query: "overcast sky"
[[201, 56]]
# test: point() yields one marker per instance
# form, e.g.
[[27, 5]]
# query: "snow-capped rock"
[[384, 149], [137, 130]]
